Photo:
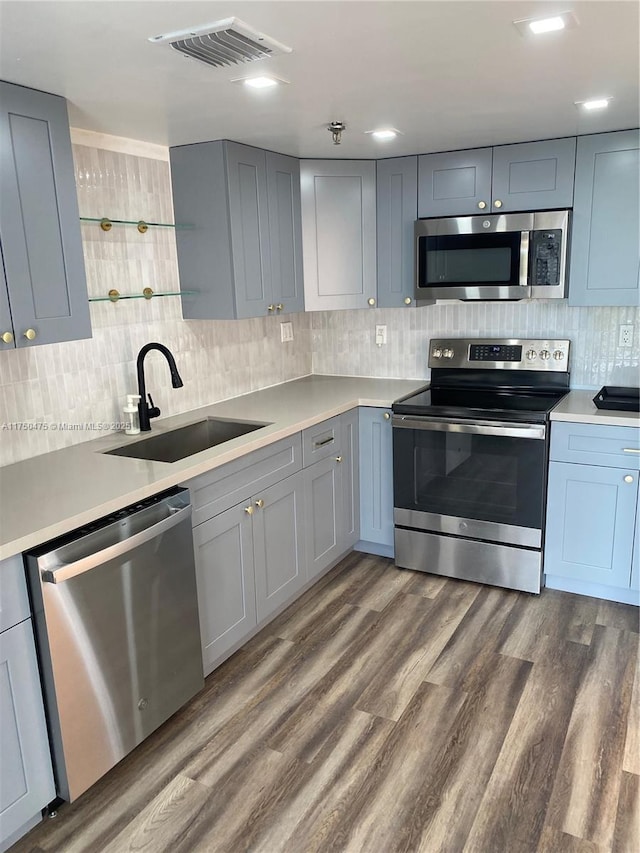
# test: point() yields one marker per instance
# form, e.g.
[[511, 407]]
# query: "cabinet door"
[[635, 560], [285, 229], [339, 233], [350, 450], [225, 576], [6, 323], [26, 778], [323, 496], [376, 476], [39, 220], [534, 175], [397, 211], [249, 218], [455, 183], [605, 249], [591, 515], [279, 548]]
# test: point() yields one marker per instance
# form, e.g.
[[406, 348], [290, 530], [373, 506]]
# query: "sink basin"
[[185, 441]]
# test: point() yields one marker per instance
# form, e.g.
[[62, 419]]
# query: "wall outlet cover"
[[625, 335], [381, 335], [286, 331]]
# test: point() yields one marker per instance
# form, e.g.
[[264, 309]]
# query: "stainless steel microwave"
[[505, 256]]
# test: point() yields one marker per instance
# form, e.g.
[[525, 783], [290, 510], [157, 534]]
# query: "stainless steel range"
[[470, 460]]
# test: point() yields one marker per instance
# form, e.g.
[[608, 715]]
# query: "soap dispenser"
[[132, 416]]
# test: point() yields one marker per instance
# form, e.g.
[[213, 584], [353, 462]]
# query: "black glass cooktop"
[[480, 404]]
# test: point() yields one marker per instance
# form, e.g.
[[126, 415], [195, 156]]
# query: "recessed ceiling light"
[[260, 82], [549, 24], [384, 133], [594, 104]]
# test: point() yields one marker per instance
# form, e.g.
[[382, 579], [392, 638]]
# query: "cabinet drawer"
[[14, 601], [591, 444], [320, 441], [222, 488]]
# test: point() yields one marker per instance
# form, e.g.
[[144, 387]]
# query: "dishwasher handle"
[[71, 570]]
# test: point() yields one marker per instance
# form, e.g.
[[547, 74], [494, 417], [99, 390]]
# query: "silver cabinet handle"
[[630, 450], [628, 478], [386, 416], [338, 458], [497, 203], [482, 205], [71, 570]]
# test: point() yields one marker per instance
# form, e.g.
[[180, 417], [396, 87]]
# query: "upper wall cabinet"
[[41, 246], [397, 211], [339, 227], [530, 176], [605, 245], [241, 254]]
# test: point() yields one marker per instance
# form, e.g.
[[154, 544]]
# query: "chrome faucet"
[[149, 410]]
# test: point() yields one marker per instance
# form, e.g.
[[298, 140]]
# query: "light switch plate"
[[286, 331], [381, 335]]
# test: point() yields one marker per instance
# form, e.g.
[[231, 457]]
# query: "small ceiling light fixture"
[[336, 129], [384, 133], [260, 82], [550, 24], [594, 104]]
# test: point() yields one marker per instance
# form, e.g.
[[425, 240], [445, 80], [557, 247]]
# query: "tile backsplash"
[[86, 382]]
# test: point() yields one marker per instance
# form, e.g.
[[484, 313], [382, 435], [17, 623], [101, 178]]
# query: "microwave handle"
[[524, 259]]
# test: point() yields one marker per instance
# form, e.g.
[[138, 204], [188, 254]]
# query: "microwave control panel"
[[545, 253]]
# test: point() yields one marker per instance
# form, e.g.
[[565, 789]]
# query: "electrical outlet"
[[381, 335], [286, 332], [625, 336]]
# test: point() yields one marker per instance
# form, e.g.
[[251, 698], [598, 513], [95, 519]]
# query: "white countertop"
[[578, 407], [50, 495]]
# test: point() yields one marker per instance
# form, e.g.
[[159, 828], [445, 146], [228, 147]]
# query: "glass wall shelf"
[[147, 293], [141, 224]]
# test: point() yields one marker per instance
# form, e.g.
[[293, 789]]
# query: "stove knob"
[[558, 354], [437, 353], [544, 354], [531, 354], [448, 353]]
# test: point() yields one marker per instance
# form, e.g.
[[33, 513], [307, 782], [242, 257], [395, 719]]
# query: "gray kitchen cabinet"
[[324, 496], [7, 338], [279, 544], [376, 481], [225, 574], [39, 221], [605, 246], [350, 451], [26, 776], [533, 175], [240, 253], [339, 233], [396, 213], [454, 183], [527, 176]]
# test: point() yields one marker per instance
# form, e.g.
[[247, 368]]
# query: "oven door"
[[477, 480], [473, 257]]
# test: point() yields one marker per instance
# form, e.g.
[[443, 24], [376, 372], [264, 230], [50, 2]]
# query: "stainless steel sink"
[[187, 440]]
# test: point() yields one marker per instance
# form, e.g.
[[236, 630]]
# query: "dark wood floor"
[[388, 711]]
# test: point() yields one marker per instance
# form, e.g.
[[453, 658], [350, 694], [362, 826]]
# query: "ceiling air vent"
[[223, 43]]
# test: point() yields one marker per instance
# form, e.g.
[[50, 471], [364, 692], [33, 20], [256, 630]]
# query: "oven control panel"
[[507, 354]]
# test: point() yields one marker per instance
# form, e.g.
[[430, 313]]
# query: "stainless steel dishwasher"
[[118, 633]]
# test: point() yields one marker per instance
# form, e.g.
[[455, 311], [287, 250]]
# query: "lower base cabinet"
[[376, 480], [324, 493]]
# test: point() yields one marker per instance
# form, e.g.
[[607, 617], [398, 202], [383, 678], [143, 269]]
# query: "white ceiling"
[[448, 74]]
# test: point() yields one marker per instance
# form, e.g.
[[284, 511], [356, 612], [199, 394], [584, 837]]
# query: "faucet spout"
[[145, 410]]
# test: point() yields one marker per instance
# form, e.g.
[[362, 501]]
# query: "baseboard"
[[593, 590], [374, 548]]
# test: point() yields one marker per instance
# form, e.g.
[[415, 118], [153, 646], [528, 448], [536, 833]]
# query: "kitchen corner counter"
[[578, 407], [50, 495]]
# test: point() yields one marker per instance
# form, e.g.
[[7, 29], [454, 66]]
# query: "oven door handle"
[[497, 428]]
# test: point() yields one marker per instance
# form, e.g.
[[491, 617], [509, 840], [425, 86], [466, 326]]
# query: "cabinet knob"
[[7, 337], [628, 478], [249, 510], [279, 306], [338, 458], [497, 203], [371, 301], [408, 300], [30, 334], [259, 503], [482, 205], [386, 416], [271, 307]]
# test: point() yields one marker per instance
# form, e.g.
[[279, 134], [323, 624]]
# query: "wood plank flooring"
[[387, 711]]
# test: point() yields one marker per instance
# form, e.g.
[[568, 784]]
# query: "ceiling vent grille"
[[223, 43]]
